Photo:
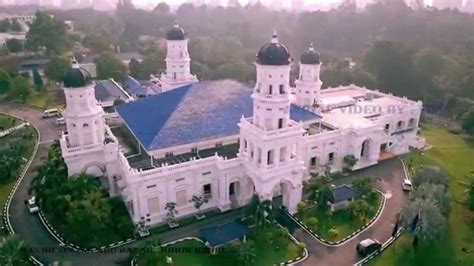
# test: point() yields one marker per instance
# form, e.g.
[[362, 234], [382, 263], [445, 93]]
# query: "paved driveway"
[[391, 174]]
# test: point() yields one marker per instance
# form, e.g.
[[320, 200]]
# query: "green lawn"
[[455, 155], [6, 122], [193, 253], [343, 220]]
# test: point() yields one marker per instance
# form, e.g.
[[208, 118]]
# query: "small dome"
[[274, 53], [310, 57], [77, 78], [176, 33]]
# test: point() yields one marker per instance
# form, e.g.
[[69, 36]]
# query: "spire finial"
[[275, 37], [311, 47], [176, 24]]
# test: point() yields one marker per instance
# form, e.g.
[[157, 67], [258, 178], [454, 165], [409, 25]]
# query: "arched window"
[[85, 125]]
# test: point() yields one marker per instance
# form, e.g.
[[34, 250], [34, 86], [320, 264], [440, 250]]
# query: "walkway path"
[[46, 249]]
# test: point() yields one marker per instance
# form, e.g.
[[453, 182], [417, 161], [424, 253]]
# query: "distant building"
[[449, 4], [297, 5], [277, 5], [469, 6]]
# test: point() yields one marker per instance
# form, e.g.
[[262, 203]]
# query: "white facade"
[[275, 154]]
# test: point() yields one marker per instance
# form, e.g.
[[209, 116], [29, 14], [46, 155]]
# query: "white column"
[[294, 196]]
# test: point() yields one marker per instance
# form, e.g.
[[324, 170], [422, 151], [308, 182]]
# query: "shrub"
[[301, 207], [333, 232], [312, 223]]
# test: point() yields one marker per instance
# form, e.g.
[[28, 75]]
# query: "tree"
[[429, 62], [14, 45], [57, 67], [136, 69], [5, 25], [37, 80], [312, 223], [98, 40], [430, 174], [12, 251], [260, 210], [431, 222], [360, 209], [364, 188], [171, 214], [5, 81], [433, 192], [246, 253], [350, 161], [20, 88], [48, 33], [199, 201], [110, 66], [300, 208], [162, 8], [468, 122]]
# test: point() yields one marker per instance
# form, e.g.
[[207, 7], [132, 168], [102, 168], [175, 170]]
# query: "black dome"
[[310, 57], [176, 33], [273, 53], [77, 78]]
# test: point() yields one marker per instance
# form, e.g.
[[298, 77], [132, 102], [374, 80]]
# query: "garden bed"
[[343, 220]]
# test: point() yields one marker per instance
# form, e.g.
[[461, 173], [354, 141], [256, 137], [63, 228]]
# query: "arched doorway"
[[365, 149], [94, 169], [281, 194]]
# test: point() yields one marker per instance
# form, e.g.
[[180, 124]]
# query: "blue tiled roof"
[[342, 193], [221, 234], [133, 86], [197, 112]]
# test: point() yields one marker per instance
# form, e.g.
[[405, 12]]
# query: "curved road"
[[391, 174], [45, 247]]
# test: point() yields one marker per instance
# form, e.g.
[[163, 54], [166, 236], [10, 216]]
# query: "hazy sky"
[[175, 2]]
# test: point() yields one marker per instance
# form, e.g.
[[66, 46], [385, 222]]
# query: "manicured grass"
[[194, 253], [45, 99], [455, 155], [342, 220], [6, 122]]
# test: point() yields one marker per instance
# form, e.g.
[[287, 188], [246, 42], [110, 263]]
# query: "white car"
[[51, 113], [60, 121], [32, 206], [406, 184]]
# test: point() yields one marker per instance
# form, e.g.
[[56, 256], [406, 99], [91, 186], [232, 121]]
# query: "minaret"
[[270, 141], [83, 115], [308, 84], [178, 62], [272, 90]]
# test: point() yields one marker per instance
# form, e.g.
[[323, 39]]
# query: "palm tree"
[[360, 209], [246, 253], [12, 251]]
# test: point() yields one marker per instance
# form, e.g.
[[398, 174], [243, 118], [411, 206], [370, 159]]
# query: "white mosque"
[[226, 141]]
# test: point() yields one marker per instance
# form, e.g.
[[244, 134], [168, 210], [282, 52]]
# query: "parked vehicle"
[[32, 206], [51, 113], [406, 184], [60, 121], [368, 246]]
